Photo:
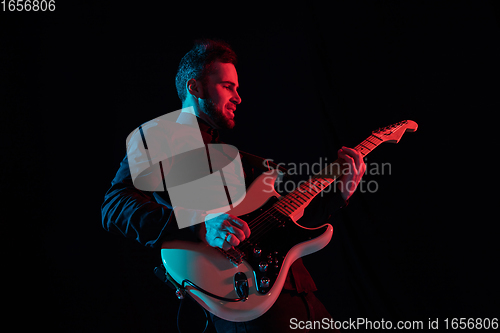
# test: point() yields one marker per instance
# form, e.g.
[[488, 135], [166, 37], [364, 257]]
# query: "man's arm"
[[134, 213]]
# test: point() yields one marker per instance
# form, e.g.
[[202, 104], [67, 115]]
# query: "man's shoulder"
[[261, 163]]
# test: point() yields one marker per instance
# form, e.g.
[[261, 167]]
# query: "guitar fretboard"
[[304, 193], [368, 144]]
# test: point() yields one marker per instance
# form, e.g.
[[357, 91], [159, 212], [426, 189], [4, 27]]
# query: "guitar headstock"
[[393, 133]]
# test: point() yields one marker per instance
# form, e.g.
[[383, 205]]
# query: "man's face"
[[220, 95]]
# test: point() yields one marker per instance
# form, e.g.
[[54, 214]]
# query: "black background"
[[77, 81]]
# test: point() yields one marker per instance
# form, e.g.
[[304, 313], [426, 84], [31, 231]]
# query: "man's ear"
[[194, 88]]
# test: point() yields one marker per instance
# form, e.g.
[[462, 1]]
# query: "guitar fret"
[[368, 142], [309, 190], [305, 194], [317, 186], [283, 211], [363, 146], [370, 145], [371, 142], [367, 145], [300, 198]]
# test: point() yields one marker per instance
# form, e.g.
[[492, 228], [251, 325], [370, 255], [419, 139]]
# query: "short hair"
[[197, 63]]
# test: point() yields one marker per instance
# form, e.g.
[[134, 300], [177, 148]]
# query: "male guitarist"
[[207, 81]]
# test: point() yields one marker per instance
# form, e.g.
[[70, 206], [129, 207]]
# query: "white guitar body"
[[208, 268]]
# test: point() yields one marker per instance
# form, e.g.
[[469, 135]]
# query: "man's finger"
[[232, 239], [349, 160], [343, 155], [221, 243], [354, 154], [349, 153], [234, 231], [242, 225]]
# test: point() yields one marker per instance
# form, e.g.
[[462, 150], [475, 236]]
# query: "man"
[[207, 82]]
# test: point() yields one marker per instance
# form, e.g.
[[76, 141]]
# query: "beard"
[[216, 114]]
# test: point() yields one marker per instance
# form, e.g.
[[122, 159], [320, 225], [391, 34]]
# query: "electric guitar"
[[242, 283]]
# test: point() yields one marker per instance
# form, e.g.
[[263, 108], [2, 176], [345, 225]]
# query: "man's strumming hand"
[[223, 230]]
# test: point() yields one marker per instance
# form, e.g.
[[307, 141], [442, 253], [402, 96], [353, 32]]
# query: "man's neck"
[[200, 114]]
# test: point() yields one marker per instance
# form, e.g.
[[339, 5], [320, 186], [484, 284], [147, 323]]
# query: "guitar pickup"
[[235, 256]]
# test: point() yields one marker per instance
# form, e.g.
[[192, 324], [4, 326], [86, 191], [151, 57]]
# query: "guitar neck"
[[307, 190]]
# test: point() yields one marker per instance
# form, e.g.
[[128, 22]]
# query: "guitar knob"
[[263, 266], [264, 282], [257, 251]]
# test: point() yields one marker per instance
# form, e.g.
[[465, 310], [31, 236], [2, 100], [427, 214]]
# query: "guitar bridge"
[[235, 256]]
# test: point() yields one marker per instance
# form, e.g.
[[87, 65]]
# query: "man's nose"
[[236, 98]]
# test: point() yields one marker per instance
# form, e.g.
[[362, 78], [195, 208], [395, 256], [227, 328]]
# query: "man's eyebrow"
[[230, 82]]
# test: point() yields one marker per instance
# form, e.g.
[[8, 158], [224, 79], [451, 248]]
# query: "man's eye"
[[227, 87]]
